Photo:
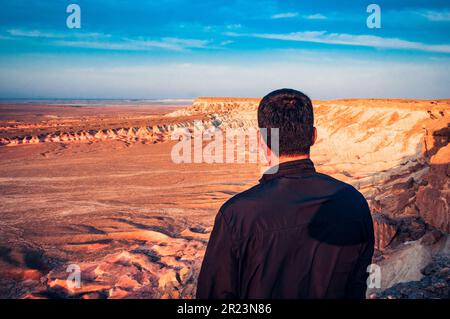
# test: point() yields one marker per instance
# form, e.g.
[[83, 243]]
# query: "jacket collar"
[[303, 166]]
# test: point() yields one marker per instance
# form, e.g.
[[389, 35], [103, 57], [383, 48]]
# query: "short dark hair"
[[291, 112]]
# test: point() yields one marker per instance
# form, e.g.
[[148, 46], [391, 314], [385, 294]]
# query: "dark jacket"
[[298, 234]]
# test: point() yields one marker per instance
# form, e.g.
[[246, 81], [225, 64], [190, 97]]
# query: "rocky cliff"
[[396, 153]]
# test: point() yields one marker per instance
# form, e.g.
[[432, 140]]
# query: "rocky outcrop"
[[403, 263], [156, 266], [210, 105], [154, 134], [385, 230], [433, 198], [395, 152], [435, 283]]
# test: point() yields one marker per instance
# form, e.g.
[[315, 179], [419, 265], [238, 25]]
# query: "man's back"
[[298, 234]]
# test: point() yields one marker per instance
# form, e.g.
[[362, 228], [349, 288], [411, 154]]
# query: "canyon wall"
[[395, 152]]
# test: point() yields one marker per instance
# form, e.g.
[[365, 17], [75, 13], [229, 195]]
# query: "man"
[[299, 233]]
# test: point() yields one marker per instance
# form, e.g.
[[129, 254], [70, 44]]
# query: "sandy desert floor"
[[111, 201], [88, 202]]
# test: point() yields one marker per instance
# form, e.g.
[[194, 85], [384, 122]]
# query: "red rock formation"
[[385, 230], [433, 199]]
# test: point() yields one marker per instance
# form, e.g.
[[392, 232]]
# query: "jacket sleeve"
[[219, 271], [357, 283]]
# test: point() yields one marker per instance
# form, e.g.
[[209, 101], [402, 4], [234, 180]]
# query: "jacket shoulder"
[[343, 187], [351, 203], [232, 205]]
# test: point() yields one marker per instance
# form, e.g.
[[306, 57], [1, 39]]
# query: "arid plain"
[[95, 186]]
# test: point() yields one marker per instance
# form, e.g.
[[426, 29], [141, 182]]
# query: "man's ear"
[[314, 137]]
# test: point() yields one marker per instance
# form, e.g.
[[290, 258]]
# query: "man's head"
[[291, 112]]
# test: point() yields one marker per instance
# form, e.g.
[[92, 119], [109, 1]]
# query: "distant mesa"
[[208, 105]]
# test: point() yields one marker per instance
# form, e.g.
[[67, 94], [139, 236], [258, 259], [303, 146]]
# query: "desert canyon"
[[96, 187]]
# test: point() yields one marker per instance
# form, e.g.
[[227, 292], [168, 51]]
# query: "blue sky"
[[189, 48]]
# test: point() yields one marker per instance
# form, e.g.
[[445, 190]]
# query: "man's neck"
[[283, 159]]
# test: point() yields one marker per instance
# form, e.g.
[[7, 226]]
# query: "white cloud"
[[22, 33], [316, 16], [226, 42], [96, 45], [285, 15], [106, 41], [185, 43], [33, 34], [233, 26], [436, 16], [172, 44], [349, 39]]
